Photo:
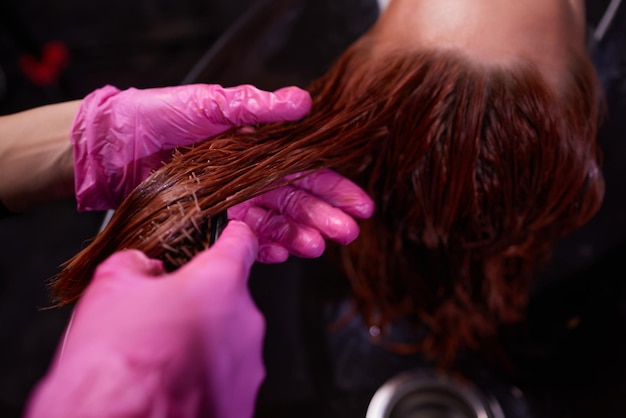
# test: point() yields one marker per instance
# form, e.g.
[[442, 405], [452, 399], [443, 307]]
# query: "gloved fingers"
[[128, 264], [119, 137], [310, 211], [275, 230], [247, 105], [229, 258], [337, 191], [272, 253]]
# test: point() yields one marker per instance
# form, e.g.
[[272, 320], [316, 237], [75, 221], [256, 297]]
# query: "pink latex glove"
[[119, 137], [143, 343], [296, 219]]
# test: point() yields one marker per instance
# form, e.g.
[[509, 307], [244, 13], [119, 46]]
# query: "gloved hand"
[[119, 137], [295, 219], [144, 343]]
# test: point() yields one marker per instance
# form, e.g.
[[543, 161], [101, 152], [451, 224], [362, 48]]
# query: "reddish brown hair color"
[[476, 172]]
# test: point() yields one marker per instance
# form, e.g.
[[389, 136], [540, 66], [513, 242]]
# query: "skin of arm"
[[36, 157]]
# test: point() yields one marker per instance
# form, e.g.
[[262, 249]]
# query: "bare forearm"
[[36, 161]]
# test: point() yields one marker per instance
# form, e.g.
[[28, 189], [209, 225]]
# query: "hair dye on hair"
[[475, 172]]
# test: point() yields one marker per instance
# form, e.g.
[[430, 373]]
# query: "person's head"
[[476, 168], [489, 32]]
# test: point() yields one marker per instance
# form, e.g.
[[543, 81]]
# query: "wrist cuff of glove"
[[91, 183]]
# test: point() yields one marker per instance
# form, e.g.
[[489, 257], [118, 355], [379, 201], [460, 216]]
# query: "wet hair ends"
[[476, 172]]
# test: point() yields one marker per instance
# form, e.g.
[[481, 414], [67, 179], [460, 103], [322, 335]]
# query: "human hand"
[[146, 343], [119, 137], [295, 219]]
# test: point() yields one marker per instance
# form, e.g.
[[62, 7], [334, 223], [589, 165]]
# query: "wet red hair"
[[476, 171]]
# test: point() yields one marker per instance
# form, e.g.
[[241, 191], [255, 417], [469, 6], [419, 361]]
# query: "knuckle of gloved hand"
[[294, 202], [272, 253], [323, 181], [217, 108], [244, 105], [276, 228], [252, 215]]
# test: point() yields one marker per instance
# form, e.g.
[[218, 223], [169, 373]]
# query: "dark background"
[[572, 366]]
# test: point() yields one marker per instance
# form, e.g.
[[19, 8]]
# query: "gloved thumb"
[[128, 264], [230, 258]]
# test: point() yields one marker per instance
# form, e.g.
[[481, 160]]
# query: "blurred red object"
[[55, 57]]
